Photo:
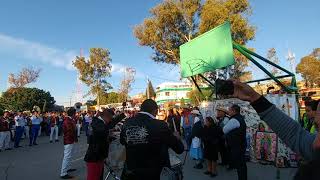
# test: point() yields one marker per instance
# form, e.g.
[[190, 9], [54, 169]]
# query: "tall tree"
[[126, 82], [316, 53], [150, 92], [173, 23], [94, 71], [272, 56], [309, 68], [24, 77], [26, 98]]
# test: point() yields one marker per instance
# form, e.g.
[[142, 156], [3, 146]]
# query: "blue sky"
[[48, 34]]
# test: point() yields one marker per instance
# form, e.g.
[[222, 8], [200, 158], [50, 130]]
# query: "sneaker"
[[207, 173], [30, 144], [57, 140], [66, 177], [8, 149], [35, 144], [50, 141], [71, 170]]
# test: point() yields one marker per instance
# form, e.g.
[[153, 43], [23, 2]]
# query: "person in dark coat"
[[211, 135], [174, 121], [147, 141], [98, 141], [235, 132]]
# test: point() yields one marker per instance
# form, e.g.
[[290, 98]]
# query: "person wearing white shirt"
[[27, 126], [19, 126], [36, 120]]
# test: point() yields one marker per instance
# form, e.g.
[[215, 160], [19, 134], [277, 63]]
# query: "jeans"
[[187, 136], [19, 133], [34, 133], [86, 127], [54, 129], [67, 156], [26, 133], [4, 140]]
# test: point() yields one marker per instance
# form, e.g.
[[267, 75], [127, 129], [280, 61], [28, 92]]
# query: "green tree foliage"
[[108, 98], [26, 98], [272, 56], [173, 23], [196, 97], [309, 68], [1, 109], [24, 77], [95, 70]]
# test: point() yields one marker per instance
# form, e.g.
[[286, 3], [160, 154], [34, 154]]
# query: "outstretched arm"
[[289, 131]]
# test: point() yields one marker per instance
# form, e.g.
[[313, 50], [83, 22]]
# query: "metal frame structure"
[[248, 54]]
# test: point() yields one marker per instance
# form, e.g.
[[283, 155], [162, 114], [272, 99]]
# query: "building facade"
[[172, 92]]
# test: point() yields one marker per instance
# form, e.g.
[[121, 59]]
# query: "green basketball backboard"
[[207, 52]]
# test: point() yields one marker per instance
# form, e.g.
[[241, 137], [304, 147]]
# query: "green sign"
[[207, 52]]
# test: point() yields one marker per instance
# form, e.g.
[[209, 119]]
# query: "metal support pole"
[[247, 55]]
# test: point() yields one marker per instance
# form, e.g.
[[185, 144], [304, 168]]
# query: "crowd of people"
[[207, 137], [15, 126], [147, 139]]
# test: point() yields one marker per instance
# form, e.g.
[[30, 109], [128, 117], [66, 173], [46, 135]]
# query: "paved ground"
[[44, 162]]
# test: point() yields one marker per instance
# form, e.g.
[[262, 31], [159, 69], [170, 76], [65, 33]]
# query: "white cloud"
[[36, 52]]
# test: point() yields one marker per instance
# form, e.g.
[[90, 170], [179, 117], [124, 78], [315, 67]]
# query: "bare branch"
[[24, 77]]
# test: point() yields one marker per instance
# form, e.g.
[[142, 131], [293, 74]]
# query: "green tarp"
[[207, 52]]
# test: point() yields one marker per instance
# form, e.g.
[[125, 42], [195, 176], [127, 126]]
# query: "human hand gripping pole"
[[244, 92]]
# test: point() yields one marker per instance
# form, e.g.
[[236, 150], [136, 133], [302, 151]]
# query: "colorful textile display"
[[287, 103]]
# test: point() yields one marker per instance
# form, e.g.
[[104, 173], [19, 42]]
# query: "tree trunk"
[[98, 101]]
